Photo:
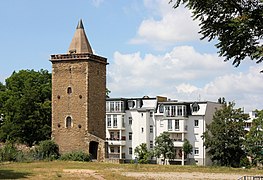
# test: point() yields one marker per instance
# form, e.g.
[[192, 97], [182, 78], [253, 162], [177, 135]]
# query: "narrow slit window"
[[69, 90], [68, 122]]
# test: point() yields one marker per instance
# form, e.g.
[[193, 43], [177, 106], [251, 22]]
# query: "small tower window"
[[68, 122], [69, 90]]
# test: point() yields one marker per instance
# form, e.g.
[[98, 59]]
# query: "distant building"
[[132, 121], [78, 98], [248, 123]]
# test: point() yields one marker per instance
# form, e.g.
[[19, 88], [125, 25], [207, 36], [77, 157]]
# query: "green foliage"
[[224, 136], [107, 93], [142, 153], [164, 146], [187, 147], [48, 150], [25, 104], [8, 152], [254, 139], [237, 25], [76, 156]]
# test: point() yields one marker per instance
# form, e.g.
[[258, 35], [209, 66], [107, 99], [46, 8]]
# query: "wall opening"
[[68, 122], [93, 149]]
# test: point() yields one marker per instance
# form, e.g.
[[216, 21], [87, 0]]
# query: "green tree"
[[254, 139], [187, 147], [164, 146], [236, 24], [25, 104], [224, 136], [142, 153]]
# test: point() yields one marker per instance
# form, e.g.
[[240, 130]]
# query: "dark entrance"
[[93, 149]]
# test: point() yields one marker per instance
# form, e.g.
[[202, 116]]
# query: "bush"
[[9, 152], [47, 150], [76, 156]]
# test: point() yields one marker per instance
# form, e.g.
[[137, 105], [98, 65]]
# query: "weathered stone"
[[78, 102]]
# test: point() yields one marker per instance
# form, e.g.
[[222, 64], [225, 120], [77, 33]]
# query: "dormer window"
[[161, 108], [195, 107]]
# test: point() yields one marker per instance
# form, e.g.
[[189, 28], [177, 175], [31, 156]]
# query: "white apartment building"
[[132, 121], [248, 123]]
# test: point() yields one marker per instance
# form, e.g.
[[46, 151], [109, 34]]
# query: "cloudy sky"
[[151, 48]]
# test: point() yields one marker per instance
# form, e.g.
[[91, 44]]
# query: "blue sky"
[[152, 49]]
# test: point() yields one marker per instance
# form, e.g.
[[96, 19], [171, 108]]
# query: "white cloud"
[[171, 26], [184, 74]]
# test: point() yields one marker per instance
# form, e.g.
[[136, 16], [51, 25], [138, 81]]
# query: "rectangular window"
[[179, 111], [142, 114], [112, 149], [118, 149], [167, 111], [151, 129], [118, 135], [184, 111], [196, 151], [151, 114], [111, 135], [130, 150], [142, 130], [196, 123], [196, 137], [114, 120], [170, 125], [123, 121], [108, 107], [130, 120], [173, 111], [130, 135], [111, 106], [176, 126], [109, 120], [151, 144]]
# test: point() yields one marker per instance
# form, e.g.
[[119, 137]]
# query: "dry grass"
[[95, 170]]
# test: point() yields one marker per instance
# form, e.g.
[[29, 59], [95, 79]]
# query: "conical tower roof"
[[80, 43]]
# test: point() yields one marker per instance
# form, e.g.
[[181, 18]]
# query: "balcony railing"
[[116, 156], [117, 141]]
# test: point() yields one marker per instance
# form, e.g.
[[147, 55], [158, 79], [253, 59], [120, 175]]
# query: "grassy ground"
[[95, 170]]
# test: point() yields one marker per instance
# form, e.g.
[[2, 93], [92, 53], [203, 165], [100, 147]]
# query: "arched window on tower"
[[68, 122], [69, 90]]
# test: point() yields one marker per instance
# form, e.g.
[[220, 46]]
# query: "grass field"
[[95, 170]]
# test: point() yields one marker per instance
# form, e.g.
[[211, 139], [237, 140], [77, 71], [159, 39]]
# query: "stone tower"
[[78, 98]]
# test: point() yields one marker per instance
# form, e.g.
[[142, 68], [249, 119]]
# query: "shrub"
[[9, 152], [47, 150], [76, 156]]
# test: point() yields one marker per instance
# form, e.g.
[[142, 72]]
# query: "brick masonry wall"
[[85, 104]]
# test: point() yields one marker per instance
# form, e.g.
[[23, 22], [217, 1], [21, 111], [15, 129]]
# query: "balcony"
[[116, 156], [178, 142], [117, 141]]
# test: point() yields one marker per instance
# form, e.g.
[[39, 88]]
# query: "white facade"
[[248, 123], [140, 120]]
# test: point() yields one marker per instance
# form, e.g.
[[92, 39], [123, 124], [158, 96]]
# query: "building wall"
[[69, 74], [84, 104]]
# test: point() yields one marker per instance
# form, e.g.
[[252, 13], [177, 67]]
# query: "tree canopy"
[[142, 153], [225, 135], [25, 106], [236, 24], [187, 147], [254, 139], [164, 146]]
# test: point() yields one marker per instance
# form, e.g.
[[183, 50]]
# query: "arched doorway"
[[93, 149]]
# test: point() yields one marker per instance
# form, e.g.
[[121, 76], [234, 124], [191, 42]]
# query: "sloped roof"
[[80, 43]]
